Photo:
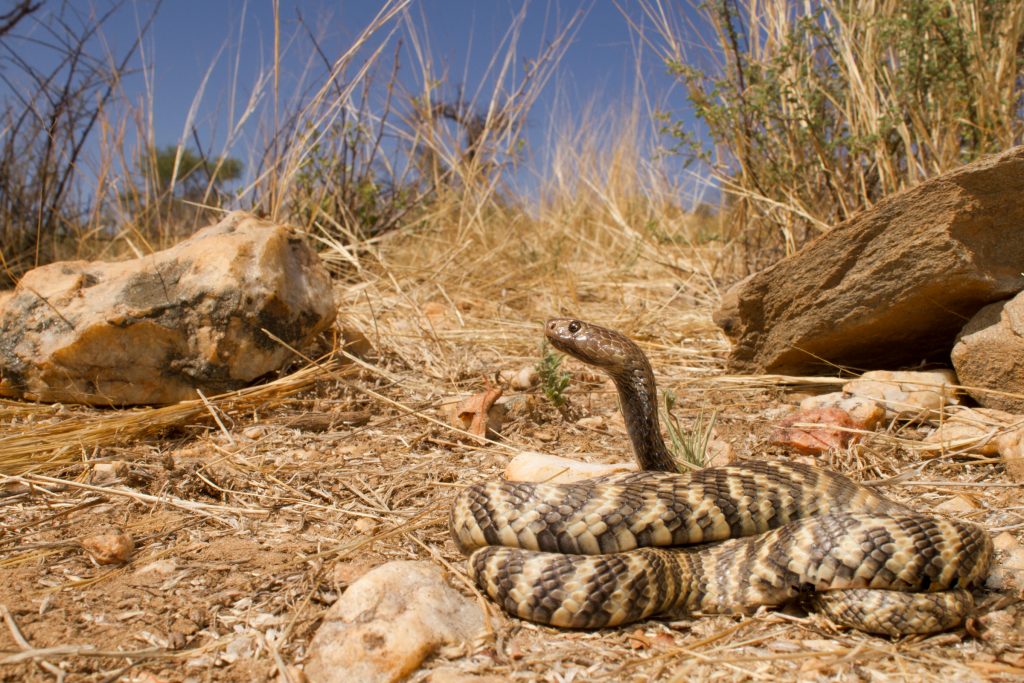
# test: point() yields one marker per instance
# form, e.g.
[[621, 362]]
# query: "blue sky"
[[190, 37]]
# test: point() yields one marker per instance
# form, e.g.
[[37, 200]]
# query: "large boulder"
[[153, 330], [990, 355], [891, 286]]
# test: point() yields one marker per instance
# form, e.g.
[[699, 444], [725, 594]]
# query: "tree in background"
[[189, 175]]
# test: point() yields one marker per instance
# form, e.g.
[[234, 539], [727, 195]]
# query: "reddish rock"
[[824, 430], [892, 285], [989, 354]]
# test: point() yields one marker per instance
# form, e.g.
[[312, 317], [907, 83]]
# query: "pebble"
[[109, 548]]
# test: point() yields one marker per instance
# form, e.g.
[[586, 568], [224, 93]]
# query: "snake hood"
[[626, 364]]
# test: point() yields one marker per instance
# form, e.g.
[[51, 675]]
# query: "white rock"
[[974, 429], [907, 394], [524, 379], [534, 466], [388, 622]]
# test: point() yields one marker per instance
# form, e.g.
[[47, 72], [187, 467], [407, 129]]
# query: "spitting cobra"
[[605, 551]]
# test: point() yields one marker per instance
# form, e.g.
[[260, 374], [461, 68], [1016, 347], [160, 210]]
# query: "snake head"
[[593, 344]]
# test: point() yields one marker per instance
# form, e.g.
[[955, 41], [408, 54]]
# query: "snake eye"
[[574, 327]]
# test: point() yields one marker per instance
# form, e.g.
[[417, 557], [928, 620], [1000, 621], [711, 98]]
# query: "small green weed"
[[689, 448], [553, 380]]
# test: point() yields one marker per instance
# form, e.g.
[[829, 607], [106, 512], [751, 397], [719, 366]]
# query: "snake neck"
[[639, 400]]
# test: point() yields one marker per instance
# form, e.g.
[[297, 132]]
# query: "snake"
[[622, 548]]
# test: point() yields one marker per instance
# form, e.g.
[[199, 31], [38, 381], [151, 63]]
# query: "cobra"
[[612, 550]]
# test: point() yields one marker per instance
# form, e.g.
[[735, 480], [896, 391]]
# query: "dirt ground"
[[248, 527]]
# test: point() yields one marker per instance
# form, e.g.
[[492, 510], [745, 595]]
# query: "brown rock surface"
[[152, 330], [892, 285], [989, 354]]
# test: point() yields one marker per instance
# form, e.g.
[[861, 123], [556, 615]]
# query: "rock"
[[971, 429], [958, 505], [355, 342], [907, 394], [890, 286], [1011, 449], [524, 379], [153, 330], [533, 466], [719, 453], [865, 412], [827, 433], [989, 354], [109, 548], [591, 422], [108, 472], [388, 622]]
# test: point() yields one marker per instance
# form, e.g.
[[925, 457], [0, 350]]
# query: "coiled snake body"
[[601, 552]]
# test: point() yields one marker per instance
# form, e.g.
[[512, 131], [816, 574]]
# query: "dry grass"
[[246, 531], [252, 512]]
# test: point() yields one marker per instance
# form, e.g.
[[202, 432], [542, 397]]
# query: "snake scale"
[[606, 551]]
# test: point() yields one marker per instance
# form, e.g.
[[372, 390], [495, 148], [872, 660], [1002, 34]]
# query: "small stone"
[[957, 505], [364, 525], [975, 429], [824, 430], [524, 379], [254, 432], [388, 622], [542, 467], [907, 394], [110, 548], [161, 568], [108, 472], [865, 412], [544, 435], [1005, 541], [719, 453], [592, 422], [1011, 450], [356, 343]]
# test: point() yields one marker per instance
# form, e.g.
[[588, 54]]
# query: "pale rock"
[[989, 354], [1011, 450], [1008, 568], [453, 675], [905, 393], [108, 472], [719, 453], [890, 286], [524, 379], [957, 505], [977, 430], [591, 422], [388, 622], [155, 329], [355, 342], [109, 548], [542, 467], [865, 412], [1005, 541]]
